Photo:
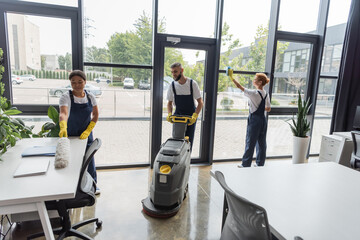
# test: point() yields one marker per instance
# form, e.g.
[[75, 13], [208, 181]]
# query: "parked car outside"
[[102, 79], [57, 92], [144, 84], [128, 83], [28, 77], [15, 79]]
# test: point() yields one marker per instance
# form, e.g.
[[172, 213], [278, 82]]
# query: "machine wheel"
[[186, 191]]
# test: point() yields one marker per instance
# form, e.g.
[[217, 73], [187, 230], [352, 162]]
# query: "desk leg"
[[45, 220]]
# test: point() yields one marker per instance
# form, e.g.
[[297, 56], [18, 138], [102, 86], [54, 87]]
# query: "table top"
[[313, 201], [54, 184]]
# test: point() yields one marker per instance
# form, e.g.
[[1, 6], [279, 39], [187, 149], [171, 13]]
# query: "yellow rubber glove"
[[63, 129], [88, 130], [193, 118], [230, 72], [168, 118]]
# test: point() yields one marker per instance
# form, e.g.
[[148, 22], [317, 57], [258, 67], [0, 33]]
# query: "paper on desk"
[[39, 151], [32, 166]]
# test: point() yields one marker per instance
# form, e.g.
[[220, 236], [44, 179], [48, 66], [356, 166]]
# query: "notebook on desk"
[[32, 166], [39, 151]]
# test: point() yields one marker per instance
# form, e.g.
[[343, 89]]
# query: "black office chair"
[[355, 156], [85, 196], [245, 220]]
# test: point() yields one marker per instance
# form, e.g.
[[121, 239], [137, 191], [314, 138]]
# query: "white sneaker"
[[254, 165], [240, 166]]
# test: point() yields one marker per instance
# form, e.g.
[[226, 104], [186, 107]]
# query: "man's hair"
[[176, 64], [263, 78], [77, 73]]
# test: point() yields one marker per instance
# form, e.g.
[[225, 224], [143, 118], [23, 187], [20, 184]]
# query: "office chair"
[[245, 220], [85, 196], [355, 156]]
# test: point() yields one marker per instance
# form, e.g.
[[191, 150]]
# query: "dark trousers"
[[190, 132], [255, 137]]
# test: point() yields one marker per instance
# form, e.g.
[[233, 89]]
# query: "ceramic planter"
[[300, 149]]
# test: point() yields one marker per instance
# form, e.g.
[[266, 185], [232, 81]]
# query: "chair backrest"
[[245, 220], [90, 152], [355, 156], [356, 140]]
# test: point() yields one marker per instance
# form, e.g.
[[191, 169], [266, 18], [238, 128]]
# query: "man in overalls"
[[182, 93], [259, 102]]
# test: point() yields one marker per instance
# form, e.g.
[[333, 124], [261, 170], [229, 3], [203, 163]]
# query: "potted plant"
[[11, 129], [300, 126], [50, 129]]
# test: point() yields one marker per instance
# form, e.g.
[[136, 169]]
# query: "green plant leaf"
[[6, 105], [3, 132], [12, 141], [53, 114], [20, 121], [12, 111], [49, 126], [300, 125]]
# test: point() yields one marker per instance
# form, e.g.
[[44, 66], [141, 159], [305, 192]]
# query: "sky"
[[187, 17]]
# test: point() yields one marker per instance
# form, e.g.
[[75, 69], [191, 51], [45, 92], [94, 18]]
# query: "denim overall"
[[80, 117], [256, 136], [185, 106]]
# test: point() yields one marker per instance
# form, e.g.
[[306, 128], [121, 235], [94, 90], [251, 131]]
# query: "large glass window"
[[123, 97], [279, 136], [335, 32], [118, 32], [291, 70], [244, 42], [232, 111], [323, 111], [40, 57], [181, 17], [298, 16]]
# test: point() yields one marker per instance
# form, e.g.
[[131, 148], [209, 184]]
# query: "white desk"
[[313, 201], [27, 194]]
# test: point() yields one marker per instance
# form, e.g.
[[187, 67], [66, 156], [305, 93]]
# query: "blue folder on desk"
[[39, 151]]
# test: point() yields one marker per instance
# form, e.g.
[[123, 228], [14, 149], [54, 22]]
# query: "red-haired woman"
[[259, 102]]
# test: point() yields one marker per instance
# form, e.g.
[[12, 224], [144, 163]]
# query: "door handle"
[[204, 108]]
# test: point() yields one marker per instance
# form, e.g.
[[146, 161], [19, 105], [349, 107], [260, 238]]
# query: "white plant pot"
[[300, 148]]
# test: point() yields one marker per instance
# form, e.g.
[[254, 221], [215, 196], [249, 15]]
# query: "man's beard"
[[178, 78]]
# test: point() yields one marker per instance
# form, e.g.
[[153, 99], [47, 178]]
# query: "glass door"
[[197, 61], [193, 61]]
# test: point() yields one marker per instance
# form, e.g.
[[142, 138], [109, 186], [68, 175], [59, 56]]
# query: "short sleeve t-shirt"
[[66, 101], [255, 99], [183, 89]]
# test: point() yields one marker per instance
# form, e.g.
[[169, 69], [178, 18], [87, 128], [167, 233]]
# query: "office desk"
[[313, 201], [27, 194]]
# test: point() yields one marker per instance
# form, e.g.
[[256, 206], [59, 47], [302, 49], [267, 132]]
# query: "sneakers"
[[97, 191], [241, 166]]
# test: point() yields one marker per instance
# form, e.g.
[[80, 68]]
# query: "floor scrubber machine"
[[171, 171]]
